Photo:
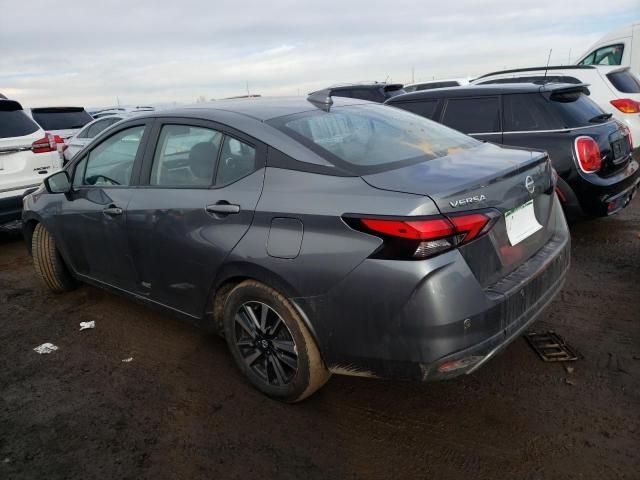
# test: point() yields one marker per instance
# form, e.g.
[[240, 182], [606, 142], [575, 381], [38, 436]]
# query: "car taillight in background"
[[626, 105], [49, 143], [588, 154], [46, 144], [418, 239]]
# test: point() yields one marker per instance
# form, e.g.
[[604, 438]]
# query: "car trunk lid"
[[515, 185]]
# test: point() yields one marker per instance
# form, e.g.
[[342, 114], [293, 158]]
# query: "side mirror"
[[58, 183]]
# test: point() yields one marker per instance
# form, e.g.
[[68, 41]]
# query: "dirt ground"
[[181, 410]]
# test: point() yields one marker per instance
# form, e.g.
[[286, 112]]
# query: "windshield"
[[59, 119], [371, 138]]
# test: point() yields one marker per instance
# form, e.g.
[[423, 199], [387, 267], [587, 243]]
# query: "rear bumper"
[[600, 197], [406, 319], [10, 209]]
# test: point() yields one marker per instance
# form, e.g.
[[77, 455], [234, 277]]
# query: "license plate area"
[[521, 223]]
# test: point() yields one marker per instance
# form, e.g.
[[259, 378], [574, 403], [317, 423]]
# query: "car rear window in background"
[[368, 138], [61, 118], [624, 81], [473, 115], [425, 108], [14, 122], [533, 112]]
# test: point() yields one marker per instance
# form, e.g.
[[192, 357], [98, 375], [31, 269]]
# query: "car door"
[[475, 116], [92, 220], [202, 184]]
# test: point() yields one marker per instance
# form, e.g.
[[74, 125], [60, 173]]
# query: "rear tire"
[[50, 267], [271, 344]]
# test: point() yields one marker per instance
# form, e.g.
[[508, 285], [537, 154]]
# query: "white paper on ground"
[[45, 348], [521, 222], [127, 360], [86, 325]]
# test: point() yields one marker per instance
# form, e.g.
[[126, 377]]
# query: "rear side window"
[[527, 112], [473, 115], [97, 127], [14, 122], [61, 118], [186, 156], [237, 160], [624, 81], [424, 108]]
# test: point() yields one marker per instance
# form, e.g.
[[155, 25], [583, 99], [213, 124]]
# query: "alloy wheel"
[[265, 343]]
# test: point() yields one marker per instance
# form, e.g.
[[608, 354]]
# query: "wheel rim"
[[265, 343]]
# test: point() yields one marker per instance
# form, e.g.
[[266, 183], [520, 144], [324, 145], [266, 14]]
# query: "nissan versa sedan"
[[320, 235]]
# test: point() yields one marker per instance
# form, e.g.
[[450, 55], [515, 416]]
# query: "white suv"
[[616, 90], [27, 155]]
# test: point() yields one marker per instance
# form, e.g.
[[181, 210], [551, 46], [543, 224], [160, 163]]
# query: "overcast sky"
[[91, 53]]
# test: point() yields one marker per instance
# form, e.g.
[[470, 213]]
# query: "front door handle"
[[223, 208], [113, 211]]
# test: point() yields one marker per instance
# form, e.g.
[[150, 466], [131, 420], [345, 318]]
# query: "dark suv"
[[591, 153], [374, 92]]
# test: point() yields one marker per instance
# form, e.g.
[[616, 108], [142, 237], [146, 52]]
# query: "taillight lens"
[[626, 105], [46, 144], [419, 239], [588, 154]]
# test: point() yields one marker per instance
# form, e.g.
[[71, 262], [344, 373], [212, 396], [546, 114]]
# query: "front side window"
[[370, 138], [110, 163], [185, 156], [473, 115], [611, 55]]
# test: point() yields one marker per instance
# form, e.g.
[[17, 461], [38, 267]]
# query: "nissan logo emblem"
[[529, 184]]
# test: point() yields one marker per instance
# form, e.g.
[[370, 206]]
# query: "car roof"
[[482, 90], [257, 108], [535, 69], [248, 116], [429, 82]]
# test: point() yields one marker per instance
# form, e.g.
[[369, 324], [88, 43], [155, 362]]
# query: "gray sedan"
[[318, 236]]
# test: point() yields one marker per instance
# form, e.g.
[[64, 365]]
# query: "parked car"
[[61, 121], [119, 111], [27, 154], [590, 152], [616, 90], [336, 236], [81, 139], [443, 83], [619, 47], [371, 91]]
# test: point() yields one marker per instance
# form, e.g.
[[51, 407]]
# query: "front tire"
[[50, 267], [271, 344]]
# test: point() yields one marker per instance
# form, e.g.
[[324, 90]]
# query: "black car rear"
[[591, 152]]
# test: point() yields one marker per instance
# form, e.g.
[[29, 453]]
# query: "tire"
[[50, 267], [260, 344]]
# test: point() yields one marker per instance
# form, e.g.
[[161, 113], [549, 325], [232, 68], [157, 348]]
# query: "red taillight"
[[418, 239], [588, 154], [416, 230], [46, 144], [626, 105]]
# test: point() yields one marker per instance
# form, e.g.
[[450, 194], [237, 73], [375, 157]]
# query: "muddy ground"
[[181, 410]]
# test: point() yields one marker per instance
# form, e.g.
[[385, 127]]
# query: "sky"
[[98, 53]]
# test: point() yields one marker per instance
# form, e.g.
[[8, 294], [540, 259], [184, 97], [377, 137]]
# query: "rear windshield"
[[61, 119], [532, 111], [14, 122], [624, 81], [367, 139]]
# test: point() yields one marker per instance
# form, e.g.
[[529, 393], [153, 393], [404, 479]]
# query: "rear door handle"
[[113, 211], [223, 208]]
